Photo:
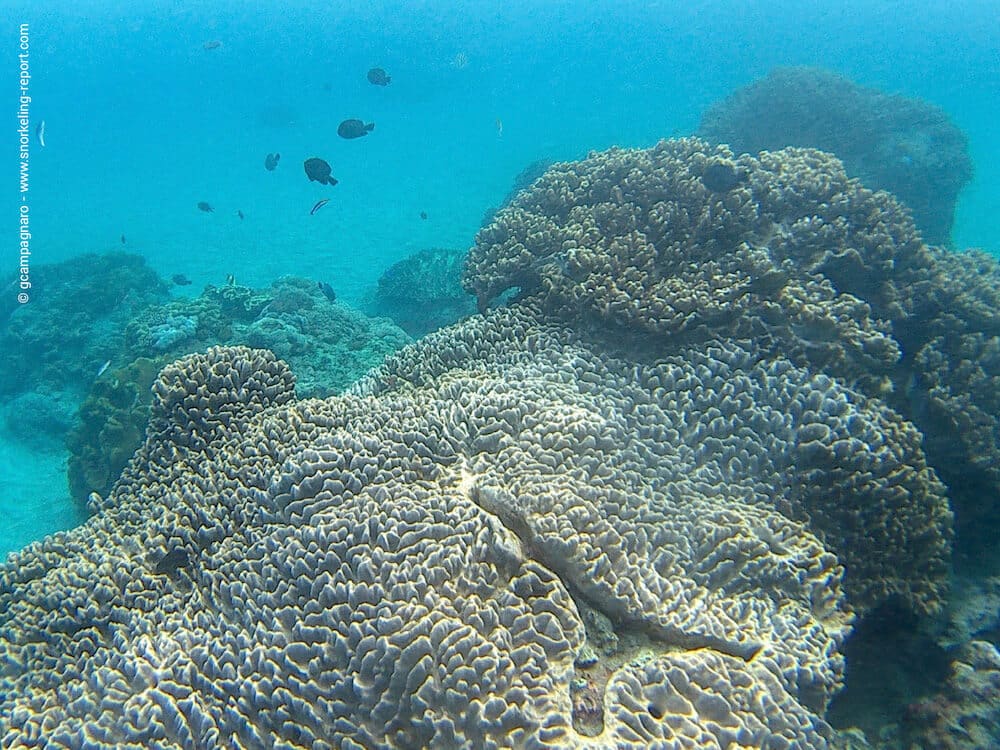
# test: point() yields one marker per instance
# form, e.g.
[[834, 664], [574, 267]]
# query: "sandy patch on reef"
[[34, 499]]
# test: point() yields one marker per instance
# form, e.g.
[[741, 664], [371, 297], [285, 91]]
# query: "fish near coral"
[[721, 177], [172, 562]]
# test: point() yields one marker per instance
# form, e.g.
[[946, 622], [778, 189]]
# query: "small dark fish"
[[240, 214], [354, 129], [378, 77], [271, 161], [318, 170], [721, 177], [175, 559], [230, 279], [212, 44], [123, 239], [206, 207], [423, 214], [327, 291], [319, 205], [180, 279]]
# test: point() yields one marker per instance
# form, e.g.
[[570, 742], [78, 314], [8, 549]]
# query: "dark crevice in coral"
[[670, 639], [890, 664]]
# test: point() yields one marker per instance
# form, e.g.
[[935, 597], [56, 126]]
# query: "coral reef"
[[949, 385], [641, 506], [172, 331], [72, 325], [330, 345], [634, 238], [423, 292], [966, 714], [399, 567], [796, 257], [906, 146]]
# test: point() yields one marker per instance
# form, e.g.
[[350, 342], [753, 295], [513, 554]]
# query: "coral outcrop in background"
[[423, 292], [84, 301], [906, 146], [329, 344]]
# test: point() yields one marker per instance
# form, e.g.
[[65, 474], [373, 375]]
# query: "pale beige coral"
[[401, 566], [796, 257], [636, 238]]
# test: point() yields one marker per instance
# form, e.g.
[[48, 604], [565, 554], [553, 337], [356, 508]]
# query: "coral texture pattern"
[[640, 507], [400, 567]]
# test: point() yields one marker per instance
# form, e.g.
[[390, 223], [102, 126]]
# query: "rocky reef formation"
[[641, 506], [423, 292], [330, 345], [906, 146], [965, 715], [60, 340], [794, 256]]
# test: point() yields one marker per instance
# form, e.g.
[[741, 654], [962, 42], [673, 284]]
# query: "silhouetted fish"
[[721, 177], [423, 214], [206, 207], [317, 170], [319, 205], [354, 129], [212, 44], [327, 291], [123, 239], [379, 77], [175, 559], [180, 279], [240, 214], [271, 161]]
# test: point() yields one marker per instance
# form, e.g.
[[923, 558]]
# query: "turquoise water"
[[143, 122]]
